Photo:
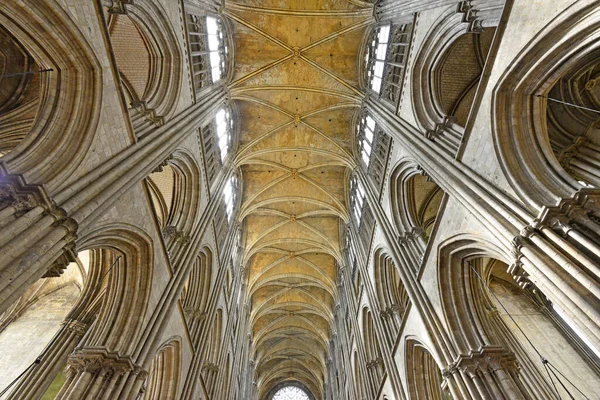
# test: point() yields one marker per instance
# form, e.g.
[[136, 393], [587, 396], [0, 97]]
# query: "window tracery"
[[363, 216], [386, 59], [290, 393], [217, 141], [208, 49], [373, 147]]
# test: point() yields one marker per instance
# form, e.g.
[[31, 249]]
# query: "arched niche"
[[45, 142], [573, 131], [424, 377], [196, 294], [391, 294], [536, 138], [375, 366], [415, 200], [162, 191], [175, 191], [457, 74], [129, 281], [149, 61], [164, 373], [20, 90], [484, 329], [447, 71], [212, 351]]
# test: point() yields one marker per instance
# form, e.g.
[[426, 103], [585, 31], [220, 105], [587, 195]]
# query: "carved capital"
[[62, 262], [77, 327], [119, 6], [485, 360], [101, 361]]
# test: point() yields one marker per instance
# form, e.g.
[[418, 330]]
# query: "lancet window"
[[224, 217], [217, 141], [364, 218], [386, 60], [373, 147], [357, 199], [208, 49]]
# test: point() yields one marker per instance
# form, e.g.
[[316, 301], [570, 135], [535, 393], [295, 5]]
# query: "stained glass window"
[[290, 393]]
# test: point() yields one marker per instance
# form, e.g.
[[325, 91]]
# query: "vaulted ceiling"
[[295, 87]]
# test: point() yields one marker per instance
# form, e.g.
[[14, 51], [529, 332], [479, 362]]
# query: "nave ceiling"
[[296, 90]]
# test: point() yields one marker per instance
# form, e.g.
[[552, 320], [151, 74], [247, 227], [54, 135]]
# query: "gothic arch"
[[520, 125], [415, 200], [129, 282], [44, 309], [446, 72], [70, 94], [175, 191], [212, 351], [165, 372], [481, 330], [391, 293], [423, 374], [156, 90], [375, 365], [20, 95], [196, 293]]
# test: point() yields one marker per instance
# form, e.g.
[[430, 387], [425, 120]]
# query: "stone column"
[[491, 373], [552, 264], [37, 227], [97, 373]]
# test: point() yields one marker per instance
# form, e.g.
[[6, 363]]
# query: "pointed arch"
[[165, 372], [70, 94]]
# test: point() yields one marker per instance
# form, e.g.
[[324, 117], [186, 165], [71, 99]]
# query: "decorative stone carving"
[[98, 360], [487, 359], [210, 367], [77, 327], [119, 6]]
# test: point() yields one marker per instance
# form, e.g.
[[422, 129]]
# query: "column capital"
[[486, 359], [100, 360]]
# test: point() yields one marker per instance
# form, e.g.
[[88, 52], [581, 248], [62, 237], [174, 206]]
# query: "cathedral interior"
[[299, 199]]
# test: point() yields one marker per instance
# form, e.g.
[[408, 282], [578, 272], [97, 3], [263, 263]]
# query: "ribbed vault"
[[296, 89]]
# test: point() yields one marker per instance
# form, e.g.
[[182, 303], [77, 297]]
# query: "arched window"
[[357, 199], [364, 219], [224, 217], [376, 56], [224, 125], [373, 148], [229, 195], [290, 393], [208, 49], [386, 59], [217, 141]]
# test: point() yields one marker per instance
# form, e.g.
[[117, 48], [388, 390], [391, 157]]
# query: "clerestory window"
[[229, 196], [366, 135], [224, 125], [376, 57], [208, 49], [217, 141], [373, 148], [357, 199], [386, 60]]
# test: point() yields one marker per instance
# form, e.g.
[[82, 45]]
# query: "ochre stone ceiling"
[[296, 89]]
